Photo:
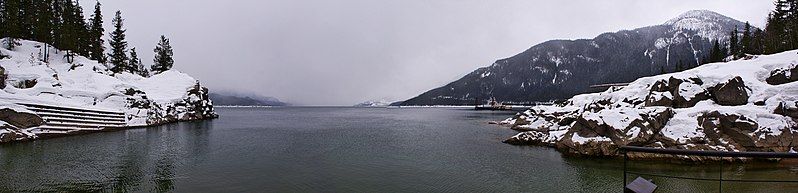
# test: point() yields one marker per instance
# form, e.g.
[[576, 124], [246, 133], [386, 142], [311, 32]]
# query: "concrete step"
[[65, 120], [87, 121], [67, 129], [77, 109], [81, 125], [46, 131], [73, 116], [93, 114]]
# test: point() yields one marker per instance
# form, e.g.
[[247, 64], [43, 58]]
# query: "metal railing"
[[722, 154]]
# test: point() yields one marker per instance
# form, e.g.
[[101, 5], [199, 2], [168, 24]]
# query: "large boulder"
[[787, 110], [677, 93], [719, 126], [529, 138], [20, 119], [588, 136], [655, 98], [7, 135], [783, 75], [730, 93]]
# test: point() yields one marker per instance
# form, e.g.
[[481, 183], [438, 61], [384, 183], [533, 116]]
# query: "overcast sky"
[[342, 52]]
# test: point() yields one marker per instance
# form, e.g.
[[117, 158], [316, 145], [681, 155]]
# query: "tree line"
[[780, 34], [61, 24]]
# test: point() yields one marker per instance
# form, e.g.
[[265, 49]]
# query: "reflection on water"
[[120, 161], [335, 150]]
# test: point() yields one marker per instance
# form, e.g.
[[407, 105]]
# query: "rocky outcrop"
[[677, 93], [195, 106], [783, 75], [732, 92], [706, 108], [20, 119], [787, 110], [13, 123]]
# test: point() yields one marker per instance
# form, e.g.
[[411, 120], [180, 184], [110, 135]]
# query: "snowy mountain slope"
[[238, 99], [375, 103], [166, 97], [560, 69], [734, 106]]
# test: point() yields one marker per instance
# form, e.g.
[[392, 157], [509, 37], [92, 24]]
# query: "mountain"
[[743, 105], [375, 103], [560, 69], [244, 100]]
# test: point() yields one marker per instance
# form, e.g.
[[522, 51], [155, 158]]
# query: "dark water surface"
[[331, 150]]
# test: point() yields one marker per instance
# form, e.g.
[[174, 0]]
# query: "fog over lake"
[[347, 51]]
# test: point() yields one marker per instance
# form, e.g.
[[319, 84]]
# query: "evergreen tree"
[[662, 70], [3, 19], [791, 23], [69, 32], [96, 30], [118, 56], [758, 42], [734, 43], [28, 15], [745, 41], [718, 53], [43, 27], [12, 19], [134, 65], [163, 56], [775, 30], [81, 30], [58, 24]]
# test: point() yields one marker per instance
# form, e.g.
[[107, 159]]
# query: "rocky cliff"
[[744, 105]]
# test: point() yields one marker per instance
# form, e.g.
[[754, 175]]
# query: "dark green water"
[[331, 150]]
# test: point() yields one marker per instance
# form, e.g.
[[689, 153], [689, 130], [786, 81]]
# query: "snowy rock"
[[19, 118], [732, 92], [790, 111], [720, 107], [677, 93], [14, 120], [783, 75]]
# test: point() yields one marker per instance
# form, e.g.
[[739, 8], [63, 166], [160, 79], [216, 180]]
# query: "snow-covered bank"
[[162, 98], [743, 105]]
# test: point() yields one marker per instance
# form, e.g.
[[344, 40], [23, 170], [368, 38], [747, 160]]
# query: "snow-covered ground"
[[84, 83], [704, 108]]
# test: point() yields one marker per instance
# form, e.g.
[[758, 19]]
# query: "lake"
[[334, 149]]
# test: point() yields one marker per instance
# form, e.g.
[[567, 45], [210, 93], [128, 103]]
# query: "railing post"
[[720, 177], [625, 159]]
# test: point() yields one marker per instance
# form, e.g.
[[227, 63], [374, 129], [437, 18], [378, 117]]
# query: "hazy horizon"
[[347, 52]]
